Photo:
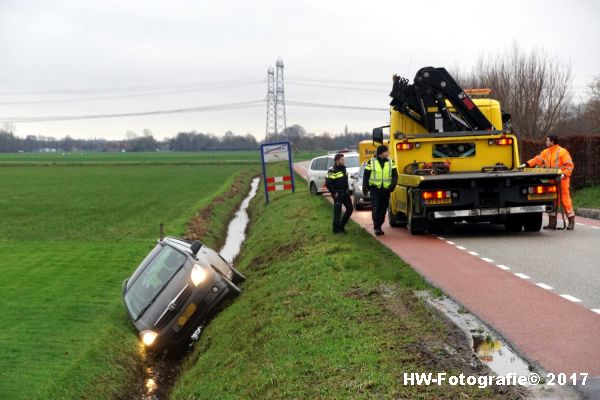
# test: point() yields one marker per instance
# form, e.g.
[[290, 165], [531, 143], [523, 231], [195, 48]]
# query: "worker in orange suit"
[[555, 156]]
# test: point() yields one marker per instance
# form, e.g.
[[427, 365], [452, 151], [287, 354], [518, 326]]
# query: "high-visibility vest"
[[380, 176]]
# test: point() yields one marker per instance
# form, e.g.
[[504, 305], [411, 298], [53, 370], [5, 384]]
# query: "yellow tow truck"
[[458, 160]]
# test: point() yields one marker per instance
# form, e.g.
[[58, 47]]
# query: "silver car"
[[360, 200], [177, 288]]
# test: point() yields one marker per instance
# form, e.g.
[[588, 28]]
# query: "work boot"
[[571, 223], [551, 222], [378, 232]]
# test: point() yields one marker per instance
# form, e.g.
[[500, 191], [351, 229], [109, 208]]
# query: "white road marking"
[[504, 267], [473, 253], [579, 223], [570, 298], [595, 227], [596, 310], [522, 276], [544, 286], [487, 259], [441, 238], [461, 247], [449, 242]]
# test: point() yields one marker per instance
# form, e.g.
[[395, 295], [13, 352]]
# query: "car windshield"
[[352, 162], [153, 279]]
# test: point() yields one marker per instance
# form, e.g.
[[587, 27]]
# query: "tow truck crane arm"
[[424, 101]]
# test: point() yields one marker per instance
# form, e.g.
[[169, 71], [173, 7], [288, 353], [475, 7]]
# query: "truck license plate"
[[438, 201]]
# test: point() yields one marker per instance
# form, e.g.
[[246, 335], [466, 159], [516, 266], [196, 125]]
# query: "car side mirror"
[[378, 135], [196, 246]]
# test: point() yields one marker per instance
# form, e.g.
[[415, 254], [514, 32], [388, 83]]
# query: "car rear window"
[[153, 279]]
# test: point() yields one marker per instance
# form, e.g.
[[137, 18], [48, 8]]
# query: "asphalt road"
[[568, 262]]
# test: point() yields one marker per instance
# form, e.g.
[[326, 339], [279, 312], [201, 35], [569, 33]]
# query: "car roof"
[[349, 153]]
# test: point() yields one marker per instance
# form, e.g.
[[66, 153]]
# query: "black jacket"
[[337, 179], [367, 176]]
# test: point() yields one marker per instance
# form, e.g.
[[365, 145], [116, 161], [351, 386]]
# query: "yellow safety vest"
[[380, 176]]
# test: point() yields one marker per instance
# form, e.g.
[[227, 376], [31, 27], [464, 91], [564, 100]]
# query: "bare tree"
[[592, 108], [533, 86]]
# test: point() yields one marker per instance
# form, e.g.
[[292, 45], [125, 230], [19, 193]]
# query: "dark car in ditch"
[[177, 288]]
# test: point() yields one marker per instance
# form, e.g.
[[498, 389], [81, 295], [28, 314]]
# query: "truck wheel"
[[513, 224], [396, 220], [313, 189], [533, 222]]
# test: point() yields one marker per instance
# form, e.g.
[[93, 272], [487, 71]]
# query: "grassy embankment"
[[322, 316], [68, 237], [588, 197]]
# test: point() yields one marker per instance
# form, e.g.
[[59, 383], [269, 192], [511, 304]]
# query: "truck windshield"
[[152, 280], [453, 150]]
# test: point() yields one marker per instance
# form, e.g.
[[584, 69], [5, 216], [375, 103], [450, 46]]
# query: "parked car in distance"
[[360, 200], [176, 288], [319, 166]]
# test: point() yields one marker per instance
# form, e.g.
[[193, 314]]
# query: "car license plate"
[[185, 316]]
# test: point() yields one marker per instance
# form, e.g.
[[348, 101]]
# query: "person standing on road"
[[380, 179], [337, 184], [555, 156]]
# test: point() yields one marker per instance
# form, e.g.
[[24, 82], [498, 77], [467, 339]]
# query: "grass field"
[[143, 158], [68, 237], [322, 316], [588, 197]]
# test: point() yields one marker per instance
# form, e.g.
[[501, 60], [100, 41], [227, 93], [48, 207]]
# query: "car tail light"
[[404, 146], [504, 141]]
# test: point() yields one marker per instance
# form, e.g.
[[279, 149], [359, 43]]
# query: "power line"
[[320, 85], [338, 106], [129, 88], [134, 95], [219, 107]]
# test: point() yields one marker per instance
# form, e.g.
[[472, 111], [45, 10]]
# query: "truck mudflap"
[[482, 212]]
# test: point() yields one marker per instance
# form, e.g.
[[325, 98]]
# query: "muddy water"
[[161, 371], [236, 233]]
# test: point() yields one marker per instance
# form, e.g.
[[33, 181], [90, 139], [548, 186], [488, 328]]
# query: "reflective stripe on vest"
[[380, 177]]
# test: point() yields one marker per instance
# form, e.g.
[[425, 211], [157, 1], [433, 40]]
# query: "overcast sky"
[[71, 58]]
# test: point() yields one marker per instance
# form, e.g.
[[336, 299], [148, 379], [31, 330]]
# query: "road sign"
[[276, 152]]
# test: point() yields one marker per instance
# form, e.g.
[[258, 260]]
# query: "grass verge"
[[588, 197], [323, 316]]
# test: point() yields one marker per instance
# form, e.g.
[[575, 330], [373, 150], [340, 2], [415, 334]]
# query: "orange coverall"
[[557, 157]]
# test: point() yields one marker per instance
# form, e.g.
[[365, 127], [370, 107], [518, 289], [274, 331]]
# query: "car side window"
[[321, 165], [314, 164]]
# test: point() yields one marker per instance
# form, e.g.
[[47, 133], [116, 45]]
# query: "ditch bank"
[[325, 316]]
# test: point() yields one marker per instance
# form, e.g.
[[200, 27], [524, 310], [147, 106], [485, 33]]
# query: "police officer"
[[337, 184], [380, 179]]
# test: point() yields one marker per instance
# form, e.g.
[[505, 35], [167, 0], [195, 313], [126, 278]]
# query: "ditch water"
[[160, 372]]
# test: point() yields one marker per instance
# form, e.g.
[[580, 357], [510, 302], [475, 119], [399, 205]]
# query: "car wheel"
[[357, 205], [533, 222], [313, 189], [237, 277]]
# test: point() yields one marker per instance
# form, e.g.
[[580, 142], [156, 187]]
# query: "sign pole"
[[264, 168]]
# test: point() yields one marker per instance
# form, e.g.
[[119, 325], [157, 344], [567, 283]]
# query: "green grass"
[[204, 157], [313, 320], [588, 197], [69, 236]]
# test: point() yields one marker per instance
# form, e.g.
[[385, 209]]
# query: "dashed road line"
[[570, 298], [544, 286], [487, 259], [521, 275], [473, 253], [450, 242], [461, 247], [504, 267], [596, 310]]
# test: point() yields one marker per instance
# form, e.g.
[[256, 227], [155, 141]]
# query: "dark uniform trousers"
[[341, 197], [380, 200]]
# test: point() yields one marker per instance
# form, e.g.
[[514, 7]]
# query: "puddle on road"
[[236, 233], [493, 352], [160, 372]]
